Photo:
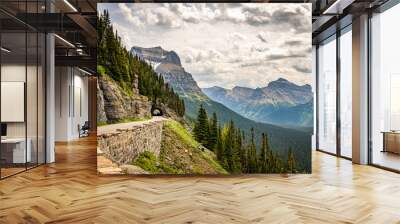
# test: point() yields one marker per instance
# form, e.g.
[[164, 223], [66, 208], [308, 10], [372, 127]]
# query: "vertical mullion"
[[45, 86], [26, 86], [369, 88], [1, 164], [317, 96], [338, 73], [37, 90], [73, 92]]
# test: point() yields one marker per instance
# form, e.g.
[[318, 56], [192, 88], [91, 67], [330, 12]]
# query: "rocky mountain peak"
[[282, 83], [281, 80], [156, 55], [168, 65]]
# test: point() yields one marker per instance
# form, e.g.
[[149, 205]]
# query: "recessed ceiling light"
[[85, 72], [64, 40], [337, 7], [70, 5], [5, 50]]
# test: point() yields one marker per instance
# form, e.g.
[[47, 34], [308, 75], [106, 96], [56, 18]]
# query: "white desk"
[[19, 154]]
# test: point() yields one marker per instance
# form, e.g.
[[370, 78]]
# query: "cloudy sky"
[[248, 44]]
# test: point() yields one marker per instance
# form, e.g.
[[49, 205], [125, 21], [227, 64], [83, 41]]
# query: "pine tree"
[[212, 141], [263, 158], [244, 155], [220, 148], [252, 154], [228, 145], [238, 150], [291, 163], [201, 128], [236, 165]]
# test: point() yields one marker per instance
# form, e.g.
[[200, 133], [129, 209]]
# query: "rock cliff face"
[[182, 82], [168, 64], [101, 114], [113, 104]]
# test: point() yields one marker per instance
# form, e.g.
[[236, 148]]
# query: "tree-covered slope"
[[131, 73], [281, 139]]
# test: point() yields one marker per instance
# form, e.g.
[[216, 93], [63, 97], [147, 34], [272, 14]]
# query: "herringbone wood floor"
[[69, 191]]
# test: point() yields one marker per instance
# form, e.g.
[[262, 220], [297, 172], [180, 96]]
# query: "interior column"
[[360, 90]]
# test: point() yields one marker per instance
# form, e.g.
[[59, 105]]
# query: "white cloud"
[[246, 44], [129, 15]]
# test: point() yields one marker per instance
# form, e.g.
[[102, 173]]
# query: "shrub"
[[147, 161]]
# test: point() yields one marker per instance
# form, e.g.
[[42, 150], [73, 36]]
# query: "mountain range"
[[281, 102], [168, 64]]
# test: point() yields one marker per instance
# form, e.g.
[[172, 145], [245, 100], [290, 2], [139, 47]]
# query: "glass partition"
[[327, 95], [385, 89], [346, 93], [14, 153], [22, 101]]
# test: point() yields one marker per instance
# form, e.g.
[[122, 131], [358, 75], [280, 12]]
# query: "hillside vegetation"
[[280, 139], [131, 73], [180, 154]]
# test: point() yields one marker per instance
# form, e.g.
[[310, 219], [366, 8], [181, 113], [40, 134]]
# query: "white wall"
[[314, 86], [62, 81], [33, 126], [71, 87], [12, 73]]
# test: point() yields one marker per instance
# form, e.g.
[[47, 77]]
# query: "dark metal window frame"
[[340, 31], [389, 4], [44, 77]]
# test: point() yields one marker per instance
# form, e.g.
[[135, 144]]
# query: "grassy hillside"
[[280, 138], [180, 154]]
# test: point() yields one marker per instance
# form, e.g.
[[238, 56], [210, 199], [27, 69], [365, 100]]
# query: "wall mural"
[[204, 88]]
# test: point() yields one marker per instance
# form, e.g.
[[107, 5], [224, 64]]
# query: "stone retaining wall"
[[124, 145]]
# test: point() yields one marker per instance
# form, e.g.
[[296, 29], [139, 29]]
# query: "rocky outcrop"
[[122, 146], [182, 81], [168, 64], [101, 114], [114, 104]]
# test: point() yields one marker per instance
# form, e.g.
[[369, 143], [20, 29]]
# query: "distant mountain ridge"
[[166, 64], [281, 102]]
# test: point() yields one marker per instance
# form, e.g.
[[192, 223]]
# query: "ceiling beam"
[[89, 30], [78, 61], [337, 7]]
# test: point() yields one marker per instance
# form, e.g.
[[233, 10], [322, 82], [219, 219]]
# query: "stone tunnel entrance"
[[156, 111]]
